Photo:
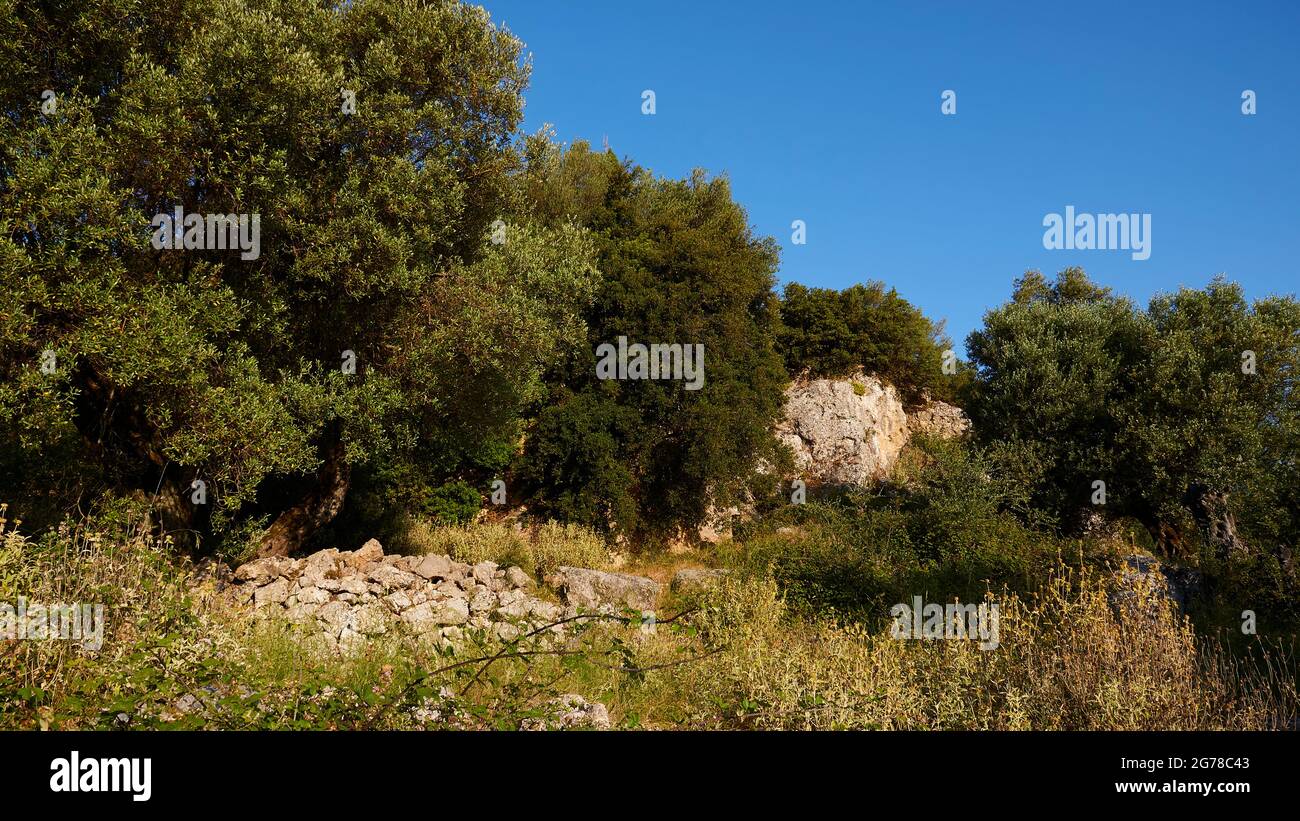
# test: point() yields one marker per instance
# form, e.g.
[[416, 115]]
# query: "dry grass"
[[539, 550], [1067, 659]]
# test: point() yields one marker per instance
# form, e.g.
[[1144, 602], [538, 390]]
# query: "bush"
[[948, 521], [454, 503], [834, 333]]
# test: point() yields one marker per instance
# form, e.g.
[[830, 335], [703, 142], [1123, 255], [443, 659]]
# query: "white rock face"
[[939, 419], [840, 437], [850, 431]]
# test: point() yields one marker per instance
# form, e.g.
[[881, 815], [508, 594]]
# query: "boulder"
[[312, 595], [354, 585], [433, 567], [451, 611], [274, 593], [369, 552], [392, 578], [399, 601], [323, 564], [336, 616], [517, 578], [262, 571], [421, 618], [483, 601], [592, 588], [483, 572]]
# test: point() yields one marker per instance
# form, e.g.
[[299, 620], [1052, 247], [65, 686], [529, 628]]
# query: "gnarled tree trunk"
[[1168, 538], [1213, 516], [316, 509]]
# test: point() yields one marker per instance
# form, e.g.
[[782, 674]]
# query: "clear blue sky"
[[829, 112]]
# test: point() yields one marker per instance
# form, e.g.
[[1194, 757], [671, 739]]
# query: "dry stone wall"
[[349, 596]]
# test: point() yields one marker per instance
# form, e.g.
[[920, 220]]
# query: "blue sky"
[[829, 112]]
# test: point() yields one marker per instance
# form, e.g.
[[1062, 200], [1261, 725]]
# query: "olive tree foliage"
[[376, 142], [1186, 410]]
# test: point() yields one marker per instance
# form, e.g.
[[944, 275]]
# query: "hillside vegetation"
[[411, 355]]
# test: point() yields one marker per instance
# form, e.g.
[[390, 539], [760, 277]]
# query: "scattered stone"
[[313, 595], [433, 567], [420, 618], [351, 597], [483, 572], [482, 601], [570, 712], [517, 578], [302, 613], [452, 611], [262, 571], [335, 616], [371, 551], [391, 578], [353, 585], [399, 601], [693, 580]]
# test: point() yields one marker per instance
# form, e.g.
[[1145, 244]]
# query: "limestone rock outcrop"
[[938, 419], [850, 431]]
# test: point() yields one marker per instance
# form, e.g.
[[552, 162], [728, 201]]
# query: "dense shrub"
[[1186, 411], [948, 522], [454, 503], [834, 333], [679, 265]]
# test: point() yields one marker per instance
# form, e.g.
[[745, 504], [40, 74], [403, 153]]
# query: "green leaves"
[[833, 333], [373, 220], [1154, 403], [679, 265]]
